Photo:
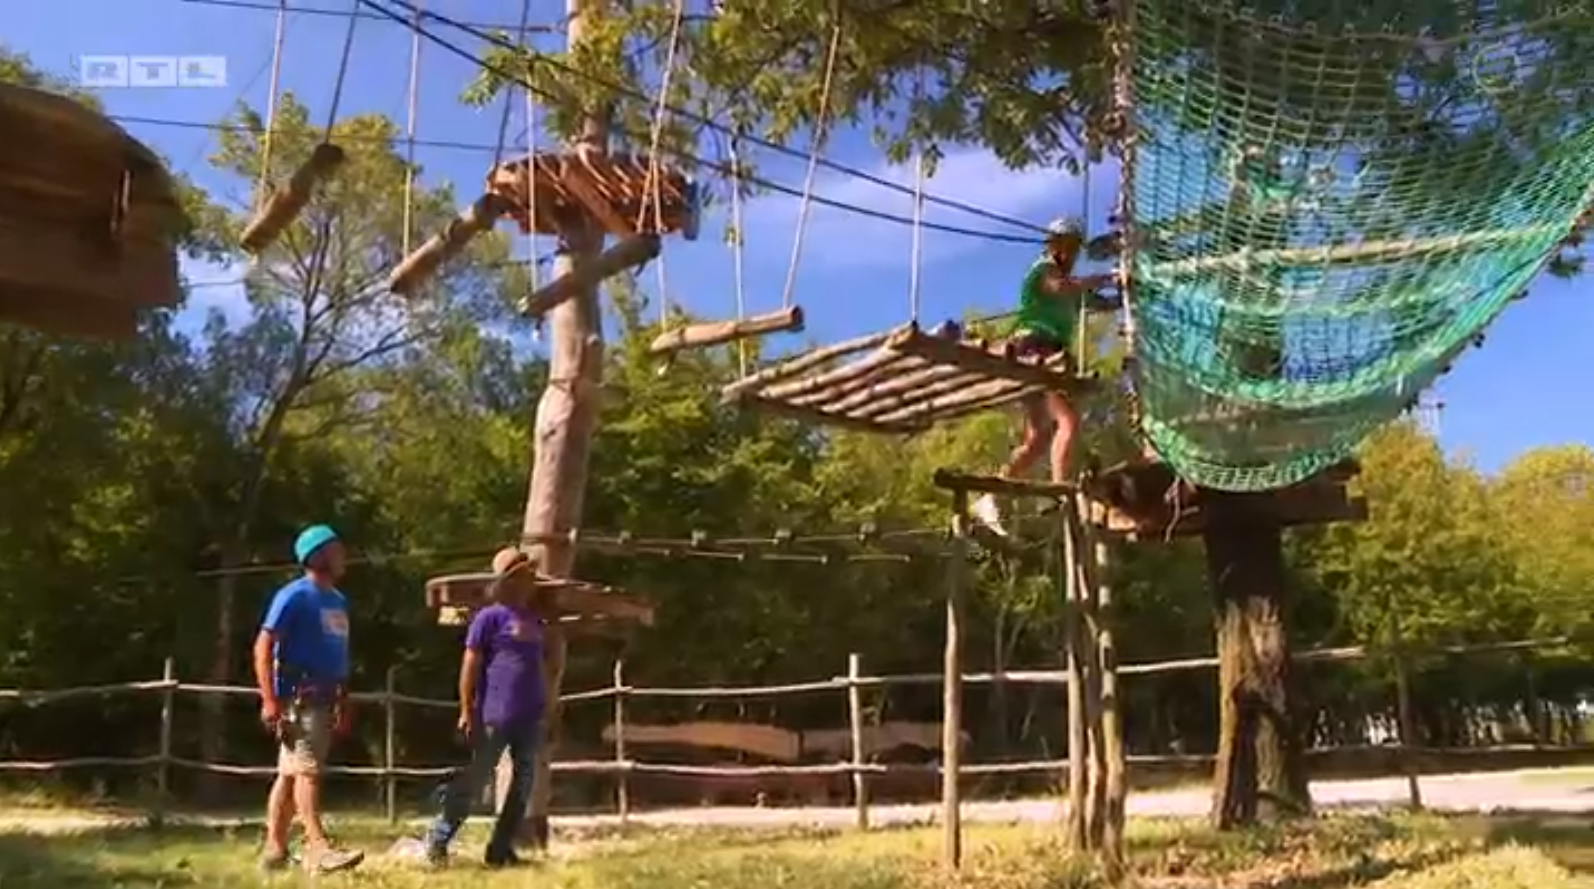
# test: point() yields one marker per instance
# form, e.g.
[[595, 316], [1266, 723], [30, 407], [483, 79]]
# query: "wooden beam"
[[983, 393], [422, 264], [1290, 508], [565, 596], [288, 200], [826, 418], [625, 254], [983, 360], [579, 182], [821, 388], [713, 333], [990, 484], [880, 397], [802, 364]]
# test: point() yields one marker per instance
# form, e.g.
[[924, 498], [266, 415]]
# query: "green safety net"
[[1327, 201]]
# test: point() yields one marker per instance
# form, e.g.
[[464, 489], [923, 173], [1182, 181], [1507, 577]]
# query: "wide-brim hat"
[[513, 560]]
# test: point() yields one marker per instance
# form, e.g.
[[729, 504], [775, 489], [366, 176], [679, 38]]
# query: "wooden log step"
[[990, 395], [563, 597], [548, 191], [713, 333], [288, 200], [422, 264], [1011, 487], [802, 364], [824, 388], [981, 359], [628, 253]]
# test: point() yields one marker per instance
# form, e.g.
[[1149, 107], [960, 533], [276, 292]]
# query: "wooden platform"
[[1146, 500], [589, 603], [902, 381], [88, 220], [613, 189]]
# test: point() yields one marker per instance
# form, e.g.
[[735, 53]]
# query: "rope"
[[1084, 234], [918, 213], [262, 189], [531, 188], [813, 162], [409, 132], [343, 70], [509, 90], [737, 239], [654, 187]]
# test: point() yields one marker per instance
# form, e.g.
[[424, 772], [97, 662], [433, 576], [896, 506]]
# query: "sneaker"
[[331, 861], [987, 513], [275, 862]]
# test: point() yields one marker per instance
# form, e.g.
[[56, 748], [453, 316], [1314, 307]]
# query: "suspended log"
[[802, 364], [422, 264], [987, 394], [824, 387], [626, 254], [288, 200], [884, 395], [713, 333]]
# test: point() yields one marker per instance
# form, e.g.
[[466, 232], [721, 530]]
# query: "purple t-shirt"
[[510, 643]]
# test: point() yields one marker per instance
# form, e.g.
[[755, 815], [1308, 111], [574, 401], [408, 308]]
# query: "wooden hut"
[[88, 220]]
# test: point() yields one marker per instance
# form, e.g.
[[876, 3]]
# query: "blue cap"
[[312, 539]]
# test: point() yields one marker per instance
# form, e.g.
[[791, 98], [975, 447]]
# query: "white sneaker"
[[988, 514]]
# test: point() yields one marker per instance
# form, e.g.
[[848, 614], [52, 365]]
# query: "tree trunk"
[[1260, 770]]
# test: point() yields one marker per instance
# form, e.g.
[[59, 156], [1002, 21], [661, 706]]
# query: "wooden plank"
[[982, 360], [713, 333], [982, 394], [822, 388], [802, 364], [626, 254], [579, 180], [50, 260], [842, 421], [1010, 487]]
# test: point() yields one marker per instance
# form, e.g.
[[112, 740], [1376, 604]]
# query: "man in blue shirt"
[[301, 660]]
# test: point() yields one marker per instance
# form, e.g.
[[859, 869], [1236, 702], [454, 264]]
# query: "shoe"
[[505, 859], [273, 862], [331, 861], [988, 514]]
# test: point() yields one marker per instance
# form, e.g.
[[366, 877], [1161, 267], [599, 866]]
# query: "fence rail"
[[168, 687]]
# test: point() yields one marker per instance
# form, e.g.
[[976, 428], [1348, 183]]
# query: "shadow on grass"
[[1566, 838], [122, 857]]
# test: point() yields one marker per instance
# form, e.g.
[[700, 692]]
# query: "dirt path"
[[1549, 790]]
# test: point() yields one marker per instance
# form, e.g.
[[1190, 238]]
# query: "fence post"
[[389, 742], [860, 786], [163, 768], [622, 783]]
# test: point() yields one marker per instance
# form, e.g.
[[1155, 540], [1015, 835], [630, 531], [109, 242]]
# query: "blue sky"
[[1517, 392]]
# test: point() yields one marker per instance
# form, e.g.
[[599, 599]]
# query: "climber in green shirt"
[[1048, 318]]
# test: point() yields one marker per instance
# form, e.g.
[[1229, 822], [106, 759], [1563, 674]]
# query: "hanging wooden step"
[[422, 264], [288, 200], [627, 253], [901, 381], [713, 333], [567, 597], [548, 193]]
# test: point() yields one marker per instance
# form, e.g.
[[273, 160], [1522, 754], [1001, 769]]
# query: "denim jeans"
[[486, 749]]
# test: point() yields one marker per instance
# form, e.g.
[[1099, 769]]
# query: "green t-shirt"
[[1040, 312]]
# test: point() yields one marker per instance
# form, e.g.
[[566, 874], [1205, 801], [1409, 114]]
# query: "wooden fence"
[[852, 684]]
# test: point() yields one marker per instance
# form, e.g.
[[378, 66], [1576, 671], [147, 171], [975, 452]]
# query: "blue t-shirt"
[[510, 642], [311, 626]]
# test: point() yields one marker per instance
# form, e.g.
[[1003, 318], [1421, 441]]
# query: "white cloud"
[[839, 238]]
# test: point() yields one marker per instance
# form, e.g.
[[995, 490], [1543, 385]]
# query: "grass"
[[1401, 852]]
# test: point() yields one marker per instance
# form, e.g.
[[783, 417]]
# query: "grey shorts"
[[306, 739]]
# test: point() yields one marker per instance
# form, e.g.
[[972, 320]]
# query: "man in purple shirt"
[[500, 707]]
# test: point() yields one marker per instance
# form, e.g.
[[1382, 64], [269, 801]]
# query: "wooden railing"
[[853, 683]]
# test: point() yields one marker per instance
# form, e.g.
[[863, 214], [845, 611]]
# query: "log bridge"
[[901, 381], [88, 220], [552, 193]]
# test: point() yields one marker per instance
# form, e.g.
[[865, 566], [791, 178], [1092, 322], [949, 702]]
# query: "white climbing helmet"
[[1067, 226]]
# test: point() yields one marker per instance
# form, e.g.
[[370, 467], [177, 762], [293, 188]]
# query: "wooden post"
[[1408, 732], [860, 787], [163, 769], [567, 416], [389, 745], [622, 782], [952, 697], [1078, 740], [1116, 780], [1087, 645]]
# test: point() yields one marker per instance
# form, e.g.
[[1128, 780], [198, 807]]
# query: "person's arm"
[[271, 629], [477, 639]]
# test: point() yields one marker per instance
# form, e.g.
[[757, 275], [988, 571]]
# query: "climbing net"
[[1327, 202]]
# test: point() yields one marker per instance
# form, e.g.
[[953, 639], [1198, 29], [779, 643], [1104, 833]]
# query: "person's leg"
[[279, 814], [309, 743], [1038, 430], [1065, 421], [522, 745], [462, 792]]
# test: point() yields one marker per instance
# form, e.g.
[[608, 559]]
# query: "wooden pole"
[[390, 745], [622, 783], [1116, 779], [1408, 732], [163, 769], [1078, 739], [860, 787], [952, 698], [567, 416], [1088, 645]]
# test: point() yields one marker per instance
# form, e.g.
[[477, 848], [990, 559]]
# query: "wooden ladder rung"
[[288, 200]]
